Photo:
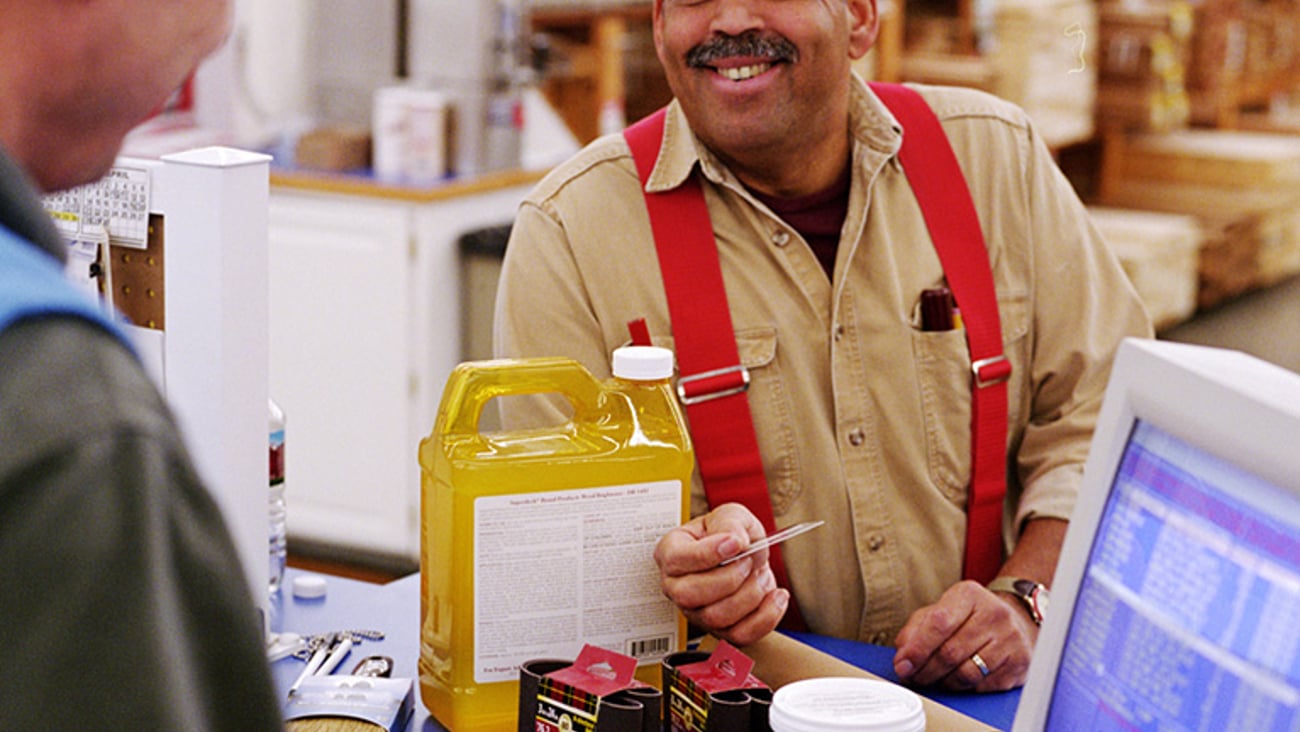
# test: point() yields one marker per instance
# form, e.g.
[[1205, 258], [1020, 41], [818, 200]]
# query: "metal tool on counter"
[[324, 652], [353, 703]]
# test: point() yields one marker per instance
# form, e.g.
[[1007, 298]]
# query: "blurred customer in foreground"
[[120, 588]]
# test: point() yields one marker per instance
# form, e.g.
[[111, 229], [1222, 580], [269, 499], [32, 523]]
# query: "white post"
[[214, 203]]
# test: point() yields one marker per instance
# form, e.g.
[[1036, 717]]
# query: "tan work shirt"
[[863, 419]]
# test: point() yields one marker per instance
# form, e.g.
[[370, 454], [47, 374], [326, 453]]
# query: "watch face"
[[1036, 596]]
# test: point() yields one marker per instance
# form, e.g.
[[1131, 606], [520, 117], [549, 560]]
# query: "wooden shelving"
[[591, 73]]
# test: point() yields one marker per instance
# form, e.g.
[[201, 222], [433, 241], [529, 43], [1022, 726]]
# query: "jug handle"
[[472, 385]]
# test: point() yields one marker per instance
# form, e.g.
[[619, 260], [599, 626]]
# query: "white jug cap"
[[846, 704], [643, 363]]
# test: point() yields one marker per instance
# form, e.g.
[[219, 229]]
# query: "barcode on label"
[[650, 647]]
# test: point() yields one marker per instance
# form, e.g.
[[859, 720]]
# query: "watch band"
[[1032, 594]]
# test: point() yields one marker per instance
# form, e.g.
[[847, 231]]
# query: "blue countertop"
[[394, 610]]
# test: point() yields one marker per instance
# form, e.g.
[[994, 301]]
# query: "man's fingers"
[[702, 543], [738, 598], [970, 639], [741, 623], [695, 591], [925, 654], [681, 551]]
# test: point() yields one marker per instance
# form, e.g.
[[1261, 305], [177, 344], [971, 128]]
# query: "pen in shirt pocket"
[[938, 310]]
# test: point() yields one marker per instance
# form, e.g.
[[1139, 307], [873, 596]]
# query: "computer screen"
[[1176, 604]]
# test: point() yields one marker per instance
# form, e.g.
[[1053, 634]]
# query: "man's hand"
[[740, 602], [946, 642]]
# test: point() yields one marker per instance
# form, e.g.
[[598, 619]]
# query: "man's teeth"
[[741, 73]]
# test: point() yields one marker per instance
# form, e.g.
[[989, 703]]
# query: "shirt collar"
[[870, 123], [678, 153]]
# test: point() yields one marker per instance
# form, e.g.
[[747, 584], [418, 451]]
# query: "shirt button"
[[839, 332], [876, 542], [857, 437], [781, 238]]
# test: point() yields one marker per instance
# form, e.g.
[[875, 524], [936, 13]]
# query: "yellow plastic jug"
[[534, 542]]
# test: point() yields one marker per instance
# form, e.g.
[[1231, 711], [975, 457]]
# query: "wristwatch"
[[1034, 595]]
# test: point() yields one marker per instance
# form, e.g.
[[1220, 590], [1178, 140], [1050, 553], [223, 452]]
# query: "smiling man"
[[861, 412]]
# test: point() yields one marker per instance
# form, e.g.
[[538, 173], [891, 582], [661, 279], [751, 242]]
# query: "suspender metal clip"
[[991, 371], [714, 384]]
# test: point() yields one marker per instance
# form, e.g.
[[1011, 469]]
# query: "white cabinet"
[[365, 308]]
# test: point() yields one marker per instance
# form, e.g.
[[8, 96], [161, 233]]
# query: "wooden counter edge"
[[780, 660], [338, 183]]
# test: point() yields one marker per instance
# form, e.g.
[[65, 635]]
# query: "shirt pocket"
[[943, 371], [771, 411]]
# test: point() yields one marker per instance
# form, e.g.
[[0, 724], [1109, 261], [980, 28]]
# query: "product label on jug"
[[556, 570]]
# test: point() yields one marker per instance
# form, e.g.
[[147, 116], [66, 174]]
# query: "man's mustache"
[[748, 44]]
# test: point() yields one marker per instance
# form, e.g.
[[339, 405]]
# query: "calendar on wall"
[[116, 206]]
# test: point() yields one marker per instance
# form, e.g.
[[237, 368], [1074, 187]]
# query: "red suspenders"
[[954, 227], [713, 380]]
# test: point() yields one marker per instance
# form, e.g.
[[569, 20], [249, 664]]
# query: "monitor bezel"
[[1232, 405]]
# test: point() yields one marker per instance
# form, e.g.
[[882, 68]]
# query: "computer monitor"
[[1176, 601]]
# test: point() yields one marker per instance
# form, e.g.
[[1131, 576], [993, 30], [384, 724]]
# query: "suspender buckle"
[[991, 371], [713, 384]]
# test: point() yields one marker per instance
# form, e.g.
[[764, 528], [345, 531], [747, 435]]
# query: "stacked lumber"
[[1160, 254], [1218, 61], [1039, 54], [1145, 48], [1243, 188], [1244, 54], [1044, 56], [1276, 118], [949, 69]]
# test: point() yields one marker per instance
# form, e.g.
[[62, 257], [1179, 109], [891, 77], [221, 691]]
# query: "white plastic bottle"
[[278, 533], [836, 704]]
